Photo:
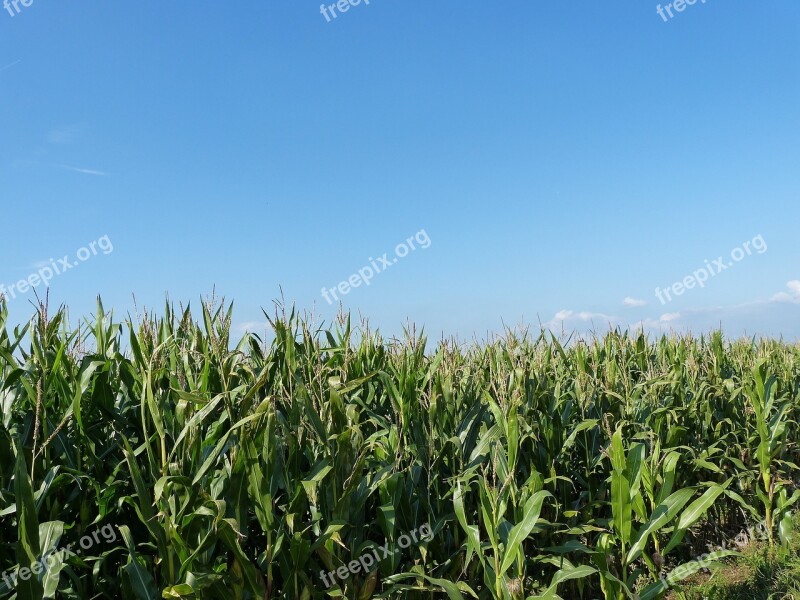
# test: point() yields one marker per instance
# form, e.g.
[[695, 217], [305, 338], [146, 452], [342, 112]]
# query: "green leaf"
[[520, 531], [141, 581], [621, 509], [663, 514], [50, 535], [28, 549], [692, 514], [472, 531]]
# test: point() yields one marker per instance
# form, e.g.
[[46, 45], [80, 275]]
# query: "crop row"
[[270, 468]]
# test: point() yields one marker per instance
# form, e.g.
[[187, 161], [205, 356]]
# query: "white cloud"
[[665, 321], [769, 316], [590, 316], [793, 295], [564, 317], [633, 302]]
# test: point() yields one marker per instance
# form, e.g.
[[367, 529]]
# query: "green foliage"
[[245, 468]]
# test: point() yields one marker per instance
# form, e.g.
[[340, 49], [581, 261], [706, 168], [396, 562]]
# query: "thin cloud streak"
[[84, 171], [16, 62]]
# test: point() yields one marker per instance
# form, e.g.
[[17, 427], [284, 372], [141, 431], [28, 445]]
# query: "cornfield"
[[544, 468]]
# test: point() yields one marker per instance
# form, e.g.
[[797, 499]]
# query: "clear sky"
[[556, 158]]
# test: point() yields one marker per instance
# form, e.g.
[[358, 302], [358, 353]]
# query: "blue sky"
[[560, 157]]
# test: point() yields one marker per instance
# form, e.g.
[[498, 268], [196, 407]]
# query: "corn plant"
[[255, 467]]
